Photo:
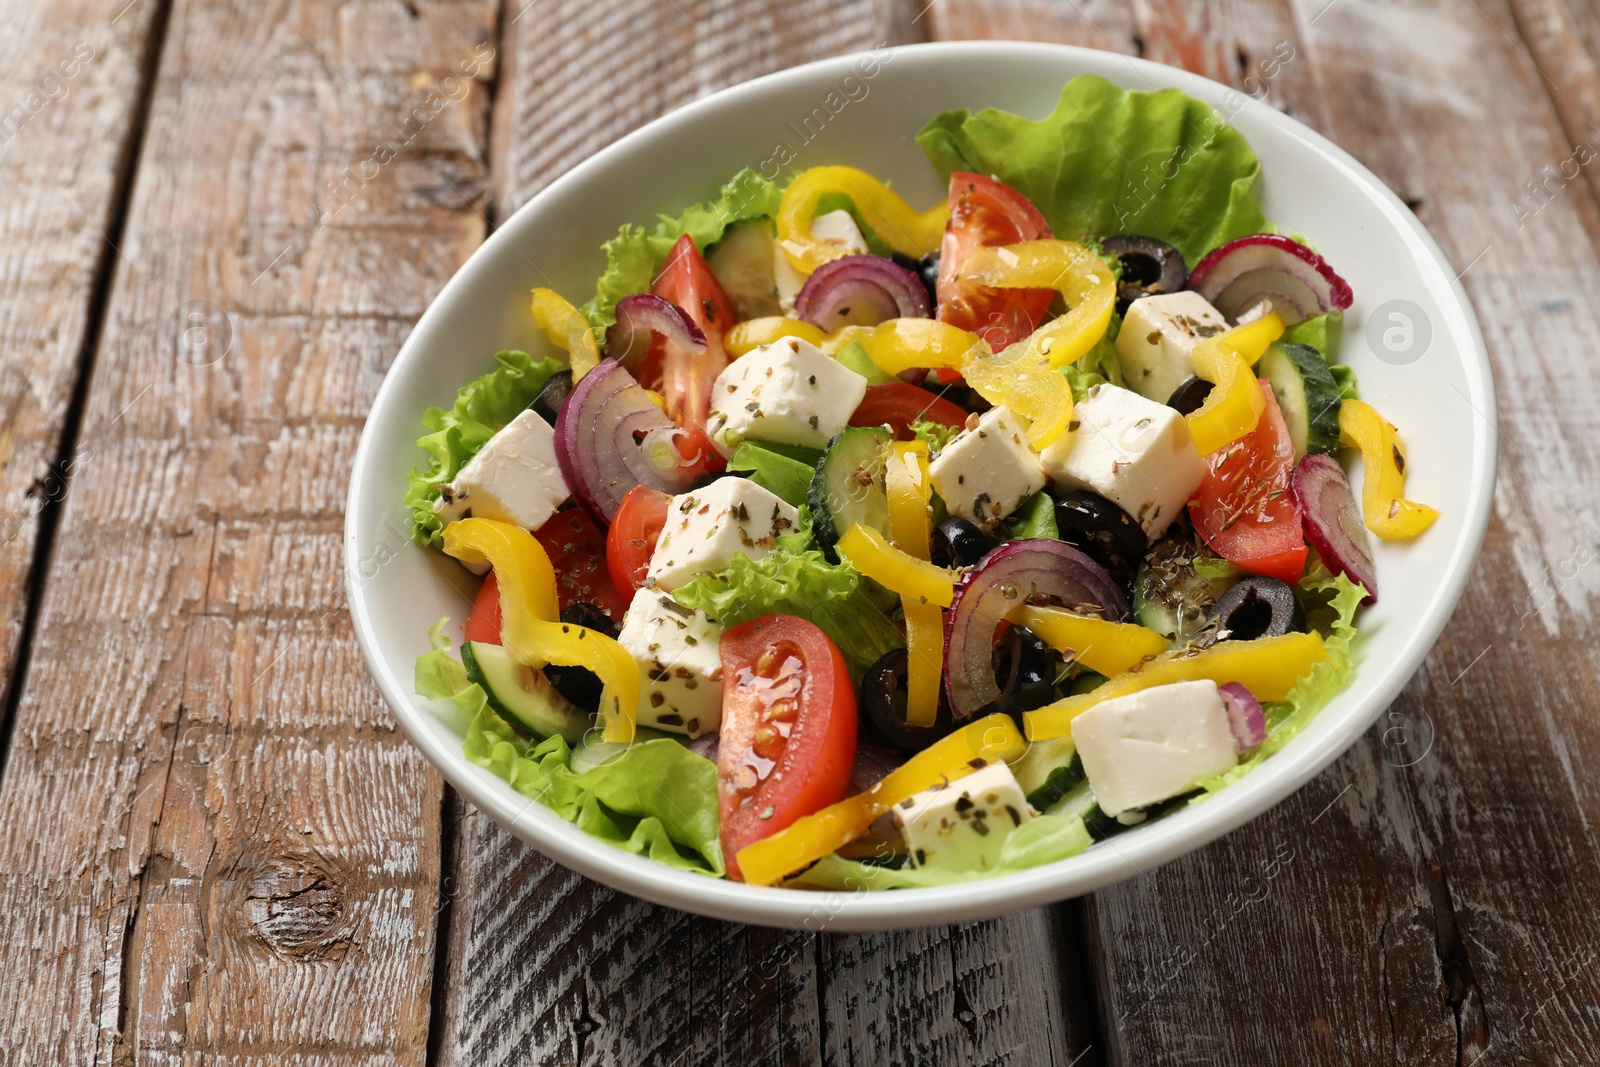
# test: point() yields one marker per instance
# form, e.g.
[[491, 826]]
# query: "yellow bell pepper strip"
[[898, 345], [1108, 648], [870, 553], [811, 837], [1268, 666], [1235, 403], [531, 628], [909, 491], [747, 336], [1383, 505], [908, 231], [567, 329], [1024, 382], [1080, 276]]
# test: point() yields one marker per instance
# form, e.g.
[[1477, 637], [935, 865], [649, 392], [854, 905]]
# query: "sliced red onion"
[[1245, 718], [1035, 569], [639, 318], [1332, 521], [861, 291], [705, 745], [1299, 282], [611, 436]]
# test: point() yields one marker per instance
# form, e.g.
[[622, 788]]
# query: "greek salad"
[[848, 542]]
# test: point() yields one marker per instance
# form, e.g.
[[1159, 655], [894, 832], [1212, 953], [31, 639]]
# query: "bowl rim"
[[1107, 863]]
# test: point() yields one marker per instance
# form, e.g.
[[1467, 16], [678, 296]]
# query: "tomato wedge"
[[577, 549], [631, 541], [986, 211], [1243, 509], [899, 404], [687, 377], [483, 621], [788, 729]]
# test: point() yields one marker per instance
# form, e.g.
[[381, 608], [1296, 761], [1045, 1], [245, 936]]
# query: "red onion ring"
[[1299, 282], [1332, 521], [611, 436], [1245, 717], [837, 292], [639, 318], [1017, 571]]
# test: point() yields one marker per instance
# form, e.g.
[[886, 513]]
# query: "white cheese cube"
[[837, 228], [963, 826], [1134, 452], [1148, 746], [706, 528], [680, 663], [788, 393], [1156, 344], [985, 472], [515, 478]]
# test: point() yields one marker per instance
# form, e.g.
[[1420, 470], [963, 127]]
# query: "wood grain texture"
[[546, 967], [214, 844], [1420, 901], [71, 75]]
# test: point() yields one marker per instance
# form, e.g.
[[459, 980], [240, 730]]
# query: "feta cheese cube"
[[515, 478], [1156, 344], [1134, 452], [837, 228], [963, 826], [706, 528], [986, 471], [787, 392], [1148, 746], [680, 664]]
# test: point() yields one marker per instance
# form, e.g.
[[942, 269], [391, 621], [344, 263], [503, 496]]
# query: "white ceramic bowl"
[[1443, 403]]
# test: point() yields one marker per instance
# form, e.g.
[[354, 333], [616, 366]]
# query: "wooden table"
[[215, 845]]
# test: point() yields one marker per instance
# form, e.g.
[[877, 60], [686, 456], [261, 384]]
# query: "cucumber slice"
[[1079, 801], [523, 694], [1307, 395], [1048, 771], [591, 752], [742, 262], [848, 487], [1168, 596]]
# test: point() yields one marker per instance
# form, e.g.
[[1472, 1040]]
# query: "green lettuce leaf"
[[1036, 517], [1112, 161], [854, 355], [1038, 841], [655, 799], [455, 436], [1333, 600], [784, 470], [1319, 331], [635, 255], [851, 609], [937, 434]]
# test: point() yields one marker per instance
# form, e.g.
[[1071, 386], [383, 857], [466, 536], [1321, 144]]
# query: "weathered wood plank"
[[1423, 900], [546, 967], [71, 97], [213, 842]]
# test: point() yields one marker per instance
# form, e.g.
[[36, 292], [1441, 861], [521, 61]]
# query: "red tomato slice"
[[483, 622], [788, 738], [631, 541], [1243, 509], [984, 211], [899, 404], [577, 550], [687, 377]]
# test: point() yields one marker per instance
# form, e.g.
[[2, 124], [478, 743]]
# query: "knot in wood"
[[297, 909]]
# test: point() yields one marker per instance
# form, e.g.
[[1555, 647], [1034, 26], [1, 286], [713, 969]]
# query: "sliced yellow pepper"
[[870, 553], [1105, 647], [1384, 507], [907, 231], [898, 345], [1080, 276], [567, 329], [1234, 406], [811, 837], [747, 336], [909, 491], [1268, 666], [1025, 383], [530, 627]]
